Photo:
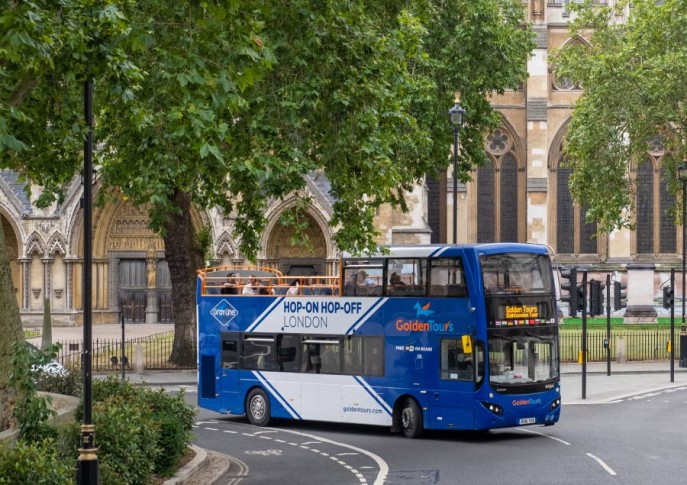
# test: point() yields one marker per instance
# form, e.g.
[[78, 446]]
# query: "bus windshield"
[[522, 355], [514, 273], [521, 320]]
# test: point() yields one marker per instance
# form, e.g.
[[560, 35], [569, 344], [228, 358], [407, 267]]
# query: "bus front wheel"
[[258, 407], [411, 418]]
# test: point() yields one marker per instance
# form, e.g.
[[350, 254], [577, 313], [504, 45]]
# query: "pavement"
[[589, 386]]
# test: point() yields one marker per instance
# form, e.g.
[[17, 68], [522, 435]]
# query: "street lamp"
[[682, 176], [87, 463], [456, 115]]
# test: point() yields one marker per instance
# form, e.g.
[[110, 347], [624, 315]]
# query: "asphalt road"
[[634, 440]]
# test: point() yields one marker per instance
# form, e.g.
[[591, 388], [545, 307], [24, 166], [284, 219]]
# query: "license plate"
[[528, 420]]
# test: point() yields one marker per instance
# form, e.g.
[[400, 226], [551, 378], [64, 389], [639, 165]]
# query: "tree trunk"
[[184, 258], [10, 332]]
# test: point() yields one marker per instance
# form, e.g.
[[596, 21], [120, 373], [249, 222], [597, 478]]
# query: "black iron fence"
[[625, 344], [152, 352], [148, 353]]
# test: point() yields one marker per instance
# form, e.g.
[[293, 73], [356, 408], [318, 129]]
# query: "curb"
[[206, 468], [190, 468]]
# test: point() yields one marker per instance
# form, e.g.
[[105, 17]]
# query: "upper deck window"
[[447, 278], [516, 273]]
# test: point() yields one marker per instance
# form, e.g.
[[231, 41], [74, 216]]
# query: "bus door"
[[229, 373], [452, 403]]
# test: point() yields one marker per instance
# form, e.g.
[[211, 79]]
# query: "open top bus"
[[413, 337]]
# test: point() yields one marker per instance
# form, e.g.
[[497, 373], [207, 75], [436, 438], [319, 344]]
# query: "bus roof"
[[446, 250]]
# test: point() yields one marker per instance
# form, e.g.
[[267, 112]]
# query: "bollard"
[[140, 359], [621, 351]]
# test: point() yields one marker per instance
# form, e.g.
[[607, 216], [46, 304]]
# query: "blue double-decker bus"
[[420, 337]]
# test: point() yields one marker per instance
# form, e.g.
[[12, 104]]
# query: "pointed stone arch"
[[497, 196], [57, 245], [35, 245], [568, 231], [566, 84], [279, 252]]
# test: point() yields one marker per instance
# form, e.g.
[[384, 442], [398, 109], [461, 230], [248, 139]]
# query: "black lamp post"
[[87, 463], [456, 115], [682, 176]]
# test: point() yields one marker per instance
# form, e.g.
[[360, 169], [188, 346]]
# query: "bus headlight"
[[494, 408], [555, 404]]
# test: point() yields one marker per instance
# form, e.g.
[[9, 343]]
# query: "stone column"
[[151, 305], [25, 266], [47, 266]]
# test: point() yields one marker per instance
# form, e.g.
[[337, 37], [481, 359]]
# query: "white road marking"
[[524, 430], [383, 467], [601, 462]]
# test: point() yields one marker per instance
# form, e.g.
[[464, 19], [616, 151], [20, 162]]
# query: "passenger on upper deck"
[[253, 286], [350, 285], [395, 281], [294, 289], [230, 286], [364, 280]]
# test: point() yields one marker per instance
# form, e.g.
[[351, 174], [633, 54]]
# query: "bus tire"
[[258, 407], [411, 418]]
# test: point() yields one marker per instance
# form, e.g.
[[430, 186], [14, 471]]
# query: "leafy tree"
[[633, 76], [230, 104], [45, 55]]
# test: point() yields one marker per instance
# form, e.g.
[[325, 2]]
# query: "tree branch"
[[20, 93]]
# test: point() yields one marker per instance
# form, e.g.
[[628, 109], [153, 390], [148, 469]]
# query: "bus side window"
[[258, 354], [230, 353], [455, 363]]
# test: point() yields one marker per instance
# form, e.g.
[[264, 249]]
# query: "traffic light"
[[668, 297], [596, 297], [619, 295], [570, 275], [581, 300]]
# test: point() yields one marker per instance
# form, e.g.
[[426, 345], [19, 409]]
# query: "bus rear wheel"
[[258, 407], [411, 419]]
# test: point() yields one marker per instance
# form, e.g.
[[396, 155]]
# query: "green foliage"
[[139, 431], [68, 383], [633, 78], [126, 441], [31, 411], [205, 243], [29, 463], [173, 439]]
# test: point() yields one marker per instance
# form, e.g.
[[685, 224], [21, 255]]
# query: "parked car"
[[52, 367]]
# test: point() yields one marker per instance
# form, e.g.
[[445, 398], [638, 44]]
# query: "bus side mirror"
[[467, 344]]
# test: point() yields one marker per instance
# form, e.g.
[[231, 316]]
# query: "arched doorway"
[[296, 259]]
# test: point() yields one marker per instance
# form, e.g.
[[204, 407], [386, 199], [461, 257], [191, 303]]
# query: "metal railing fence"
[[636, 345], [154, 350]]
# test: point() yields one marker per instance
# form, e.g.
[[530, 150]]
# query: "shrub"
[[138, 430], [68, 383], [126, 438], [31, 463], [31, 411]]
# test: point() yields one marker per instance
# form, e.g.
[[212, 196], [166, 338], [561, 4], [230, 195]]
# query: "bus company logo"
[[526, 402], [420, 324], [224, 312]]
